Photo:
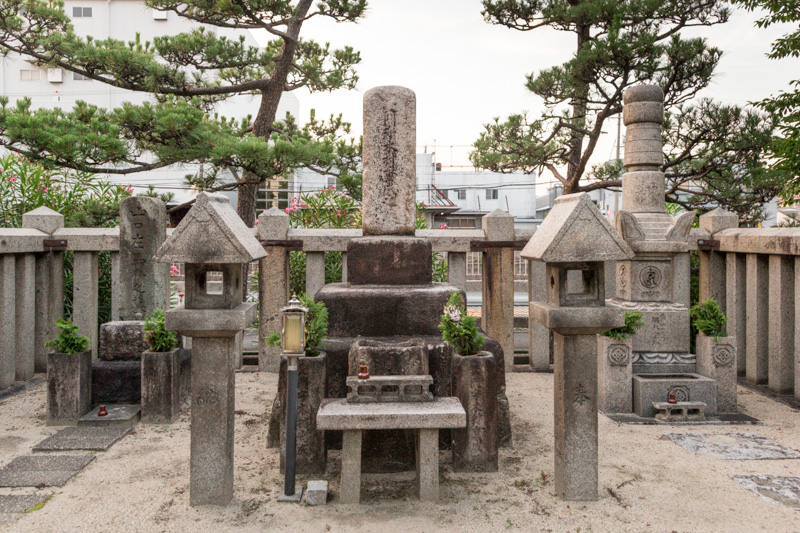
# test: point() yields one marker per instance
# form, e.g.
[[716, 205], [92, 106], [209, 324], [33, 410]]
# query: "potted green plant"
[[161, 400], [474, 383], [615, 366], [716, 352], [311, 450], [69, 376]]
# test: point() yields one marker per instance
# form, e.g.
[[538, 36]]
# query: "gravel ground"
[[647, 483]]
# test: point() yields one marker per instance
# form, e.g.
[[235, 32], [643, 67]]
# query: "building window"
[[30, 75], [474, 265], [461, 222], [461, 194], [80, 77], [331, 182], [82, 12], [491, 194], [520, 267]]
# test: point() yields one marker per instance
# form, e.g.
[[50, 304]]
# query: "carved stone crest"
[[618, 355], [681, 393], [723, 355], [650, 277]]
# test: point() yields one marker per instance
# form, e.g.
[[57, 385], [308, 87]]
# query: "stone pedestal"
[[389, 260], [615, 375], [69, 387], [716, 359], [122, 340], [475, 446], [161, 399], [312, 454]]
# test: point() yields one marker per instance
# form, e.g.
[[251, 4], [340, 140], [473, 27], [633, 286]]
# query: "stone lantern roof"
[[211, 233], [576, 231]]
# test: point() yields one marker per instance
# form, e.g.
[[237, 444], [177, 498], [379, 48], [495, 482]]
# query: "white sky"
[[465, 71]]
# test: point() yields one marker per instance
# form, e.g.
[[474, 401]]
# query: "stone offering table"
[[424, 417]]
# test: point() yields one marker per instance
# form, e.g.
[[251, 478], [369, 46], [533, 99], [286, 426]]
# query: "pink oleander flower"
[[256, 222], [12, 179], [174, 270], [443, 226], [338, 212]]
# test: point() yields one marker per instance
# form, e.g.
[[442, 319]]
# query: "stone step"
[[119, 415]]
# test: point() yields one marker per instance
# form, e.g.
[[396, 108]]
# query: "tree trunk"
[[579, 108]]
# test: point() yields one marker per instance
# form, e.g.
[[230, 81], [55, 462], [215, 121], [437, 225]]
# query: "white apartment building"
[[122, 20]]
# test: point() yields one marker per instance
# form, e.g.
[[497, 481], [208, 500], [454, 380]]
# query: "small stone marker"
[[775, 489], [389, 155], [732, 446], [317, 492], [96, 439], [47, 470]]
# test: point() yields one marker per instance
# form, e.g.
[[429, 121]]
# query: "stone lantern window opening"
[[201, 294], [590, 292]]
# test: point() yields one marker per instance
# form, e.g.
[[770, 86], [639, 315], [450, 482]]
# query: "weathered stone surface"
[[8, 321], [19, 503], [376, 311], [44, 219], [69, 393], [389, 389], [25, 286], [577, 320], [538, 335], [781, 341], [680, 411], [718, 220], [116, 382], [89, 438], [475, 446], [389, 260], [122, 340], [273, 284], [440, 413], [315, 272], [732, 446], [428, 465], [144, 284], [161, 395], [615, 374], [575, 417], [497, 317], [85, 293], [777, 489], [457, 269], [317, 492], [312, 454], [650, 388], [645, 281], [716, 359], [206, 322], [389, 190], [350, 484], [643, 191], [49, 303], [119, 416], [736, 307], [781, 241], [665, 330], [47, 470], [757, 328], [389, 358]]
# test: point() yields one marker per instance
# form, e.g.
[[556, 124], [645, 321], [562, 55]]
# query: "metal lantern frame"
[[293, 309]]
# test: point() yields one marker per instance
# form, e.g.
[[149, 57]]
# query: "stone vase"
[[475, 446], [69, 387], [716, 359], [312, 454], [161, 387], [615, 375]]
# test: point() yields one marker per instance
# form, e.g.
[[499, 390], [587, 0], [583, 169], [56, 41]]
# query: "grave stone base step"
[[650, 388], [119, 415]]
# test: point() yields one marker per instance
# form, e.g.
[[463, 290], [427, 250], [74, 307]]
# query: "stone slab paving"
[[87, 438], [42, 470], [732, 446], [775, 489], [119, 415], [19, 503]]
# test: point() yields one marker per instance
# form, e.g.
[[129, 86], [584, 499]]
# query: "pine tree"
[[187, 73], [618, 44]]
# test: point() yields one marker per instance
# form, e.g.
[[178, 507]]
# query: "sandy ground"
[[646, 483]]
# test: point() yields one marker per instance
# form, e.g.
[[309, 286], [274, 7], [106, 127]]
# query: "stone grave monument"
[[390, 298], [212, 238], [143, 288], [575, 237]]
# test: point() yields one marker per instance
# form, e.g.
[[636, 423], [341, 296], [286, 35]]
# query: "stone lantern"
[[212, 239], [574, 241]]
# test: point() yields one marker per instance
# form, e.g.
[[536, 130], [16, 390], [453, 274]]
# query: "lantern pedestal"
[[213, 333]]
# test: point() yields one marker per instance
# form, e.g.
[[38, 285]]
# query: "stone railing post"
[[115, 286], [538, 335], [25, 287], [457, 269], [273, 284], [712, 262], [49, 300], [497, 313], [8, 321], [315, 272], [780, 363], [736, 307], [756, 330], [85, 289]]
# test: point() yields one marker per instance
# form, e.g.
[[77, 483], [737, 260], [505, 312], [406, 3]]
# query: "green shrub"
[[156, 336], [316, 326], [68, 340], [708, 318], [633, 321], [459, 329]]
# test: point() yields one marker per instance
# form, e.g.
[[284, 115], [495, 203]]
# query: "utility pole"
[[619, 152]]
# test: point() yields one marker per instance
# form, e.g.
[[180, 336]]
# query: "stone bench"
[[425, 417], [680, 412]]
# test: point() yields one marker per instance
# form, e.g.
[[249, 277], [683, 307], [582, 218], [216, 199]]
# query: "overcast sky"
[[465, 71]]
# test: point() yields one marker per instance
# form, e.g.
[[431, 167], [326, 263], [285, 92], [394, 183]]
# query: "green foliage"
[[156, 336], [633, 321], [316, 326], [166, 197], [714, 150], [708, 318], [459, 329], [68, 340]]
